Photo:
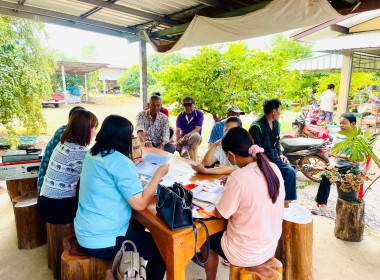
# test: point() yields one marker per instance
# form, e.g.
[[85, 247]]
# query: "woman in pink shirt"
[[253, 203]]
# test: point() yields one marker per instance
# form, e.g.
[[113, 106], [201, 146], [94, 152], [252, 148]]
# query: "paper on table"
[[206, 196], [214, 186], [147, 168], [157, 159]]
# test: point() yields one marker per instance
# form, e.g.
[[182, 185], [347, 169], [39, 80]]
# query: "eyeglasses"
[[187, 104]]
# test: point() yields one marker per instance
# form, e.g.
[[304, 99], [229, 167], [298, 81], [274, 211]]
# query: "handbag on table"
[[128, 265], [174, 204]]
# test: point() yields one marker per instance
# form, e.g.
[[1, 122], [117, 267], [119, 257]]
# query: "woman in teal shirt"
[[110, 188]]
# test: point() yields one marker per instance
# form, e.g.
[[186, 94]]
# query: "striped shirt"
[[63, 173]]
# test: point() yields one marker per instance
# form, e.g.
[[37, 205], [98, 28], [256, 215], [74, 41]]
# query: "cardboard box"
[[19, 170]]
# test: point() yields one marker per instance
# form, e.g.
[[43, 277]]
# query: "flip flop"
[[318, 211], [226, 263]]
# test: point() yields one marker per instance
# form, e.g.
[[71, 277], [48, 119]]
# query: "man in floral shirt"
[[50, 148], [153, 126]]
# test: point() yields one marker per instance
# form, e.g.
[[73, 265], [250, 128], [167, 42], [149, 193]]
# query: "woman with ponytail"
[[253, 203]]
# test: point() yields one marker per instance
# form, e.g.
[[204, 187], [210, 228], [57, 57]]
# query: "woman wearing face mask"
[[253, 203], [215, 154]]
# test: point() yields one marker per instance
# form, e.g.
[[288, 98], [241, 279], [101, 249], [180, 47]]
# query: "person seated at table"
[[58, 200], [189, 129], [265, 132], [253, 204], [215, 154], [339, 161], [110, 189], [217, 131], [153, 126], [50, 148], [166, 112]]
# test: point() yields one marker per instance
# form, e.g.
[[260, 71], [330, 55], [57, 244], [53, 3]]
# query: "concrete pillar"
[[345, 82], [85, 85], [104, 85], [143, 72], [64, 83]]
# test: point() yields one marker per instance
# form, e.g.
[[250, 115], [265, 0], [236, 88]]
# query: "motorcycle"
[[306, 151], [309, 130]]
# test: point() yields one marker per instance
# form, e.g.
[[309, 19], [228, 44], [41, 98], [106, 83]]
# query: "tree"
[[129, 81], [238, 76], [88, 52], [25, 70], [359, 81], [290, 49]]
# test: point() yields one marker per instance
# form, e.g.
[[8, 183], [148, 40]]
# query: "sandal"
[[318, 211], [185, 152], [226, 263]]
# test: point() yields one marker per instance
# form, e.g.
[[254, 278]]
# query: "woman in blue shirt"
[[110, 189]]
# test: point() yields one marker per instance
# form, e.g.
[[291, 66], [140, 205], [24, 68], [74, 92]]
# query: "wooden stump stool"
[[349, 223], [77, 265], [31, 230], [270, 270], [21, 186], [295, 246], [55, 235]]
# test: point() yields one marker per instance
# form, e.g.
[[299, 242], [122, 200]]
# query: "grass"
[[129, 106]]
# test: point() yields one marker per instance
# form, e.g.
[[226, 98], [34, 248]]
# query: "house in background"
[[111, 75]]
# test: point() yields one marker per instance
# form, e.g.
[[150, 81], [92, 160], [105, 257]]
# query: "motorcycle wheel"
[[314, 160]]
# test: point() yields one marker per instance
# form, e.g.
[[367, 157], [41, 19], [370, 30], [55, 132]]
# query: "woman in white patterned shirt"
[[58, 200]]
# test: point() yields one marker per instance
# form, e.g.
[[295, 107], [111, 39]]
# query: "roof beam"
[[127, 10], [182, 28], [340, 29], [216, 4], [67, 23], [75, 19]]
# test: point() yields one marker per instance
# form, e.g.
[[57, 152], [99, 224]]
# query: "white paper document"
[[157, 159]]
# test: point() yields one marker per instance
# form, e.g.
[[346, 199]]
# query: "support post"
[[64, 83], [104, 85], [143, 72], [85, 85], [345, 82]]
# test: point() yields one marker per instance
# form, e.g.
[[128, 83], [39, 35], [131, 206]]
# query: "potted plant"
[[358, 146]]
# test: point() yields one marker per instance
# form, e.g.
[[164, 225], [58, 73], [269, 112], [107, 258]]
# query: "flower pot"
[[347, 196]]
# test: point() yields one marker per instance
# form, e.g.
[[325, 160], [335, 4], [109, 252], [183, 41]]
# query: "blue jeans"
[[289, 174]]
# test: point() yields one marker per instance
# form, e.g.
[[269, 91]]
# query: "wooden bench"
[[55, 235], [295, 247], [31, 230], [270, 270], [77, 265]]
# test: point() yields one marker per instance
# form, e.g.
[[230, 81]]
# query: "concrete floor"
[[332, 258]]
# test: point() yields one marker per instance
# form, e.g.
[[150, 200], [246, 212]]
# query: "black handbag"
[[174, 204]]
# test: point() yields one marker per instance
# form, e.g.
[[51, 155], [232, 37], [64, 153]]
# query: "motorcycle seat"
[[297, 144]]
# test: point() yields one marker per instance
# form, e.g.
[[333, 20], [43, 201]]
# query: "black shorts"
[[215, 244], [57, 211]]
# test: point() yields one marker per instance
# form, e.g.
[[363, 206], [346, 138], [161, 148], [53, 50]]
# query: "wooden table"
[[177, 247]]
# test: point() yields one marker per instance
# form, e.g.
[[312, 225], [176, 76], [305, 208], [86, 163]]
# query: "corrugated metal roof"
[[333, 63], [125, 18], [368, 40]]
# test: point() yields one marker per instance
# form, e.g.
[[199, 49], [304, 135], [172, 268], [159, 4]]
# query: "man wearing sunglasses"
[[189, 129]]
